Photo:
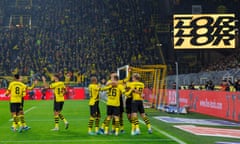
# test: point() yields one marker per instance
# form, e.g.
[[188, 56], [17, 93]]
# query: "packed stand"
[[89, 37]]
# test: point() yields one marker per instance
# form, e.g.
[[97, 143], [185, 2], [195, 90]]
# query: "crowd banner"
[[220, 104], [47, 94]]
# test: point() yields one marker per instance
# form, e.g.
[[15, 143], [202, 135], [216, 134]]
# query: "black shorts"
[[128, 105], [58, 106], [113, 110], [15, 107], [94, 110], [137, 106], [121, 105]]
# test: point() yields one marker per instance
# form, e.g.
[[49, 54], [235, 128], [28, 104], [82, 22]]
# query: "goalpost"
[[153, 76]]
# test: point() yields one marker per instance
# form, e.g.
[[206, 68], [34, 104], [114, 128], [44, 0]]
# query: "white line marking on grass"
[[162, 132], [166, 134], [26, 111], [90, 140]]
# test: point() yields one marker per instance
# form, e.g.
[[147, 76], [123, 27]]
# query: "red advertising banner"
[[224, 105], [47, 94]]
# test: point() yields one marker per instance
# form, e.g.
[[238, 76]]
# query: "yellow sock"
[[19, 121], [113, 127], [149, 126], [15, 121], [90, 124], [147, 122], [62, 118], [133, 124], [22, 120], [103, 126], [56, 120], [136, 122], [107, 126], [89, 130], [117, 125], [106, 130], [96, 129]]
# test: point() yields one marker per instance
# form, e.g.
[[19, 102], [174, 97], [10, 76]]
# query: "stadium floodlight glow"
[[204, 31]]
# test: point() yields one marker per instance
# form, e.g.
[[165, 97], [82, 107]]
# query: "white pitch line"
[[162, 132], [90, 140], [28, 110], [166, 134]]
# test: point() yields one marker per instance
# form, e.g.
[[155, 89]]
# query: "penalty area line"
[[90, 140], [26, 111]]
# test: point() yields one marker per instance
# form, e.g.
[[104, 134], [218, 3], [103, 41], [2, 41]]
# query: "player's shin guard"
[[90, 124], [147, 122], [56, 120]]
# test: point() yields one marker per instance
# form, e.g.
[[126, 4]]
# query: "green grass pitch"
[[39, 116]]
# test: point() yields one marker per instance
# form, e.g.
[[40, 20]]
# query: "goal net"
[[153, 76]]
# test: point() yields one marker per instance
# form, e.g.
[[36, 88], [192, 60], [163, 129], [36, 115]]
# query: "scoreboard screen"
[[204, 31]]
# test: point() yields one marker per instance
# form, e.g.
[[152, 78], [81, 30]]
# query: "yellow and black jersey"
[[113, 94], [16, 90], [59, 89], [139, 86], [93, 93]]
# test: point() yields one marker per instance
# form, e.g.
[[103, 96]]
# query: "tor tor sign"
[[204, 31]]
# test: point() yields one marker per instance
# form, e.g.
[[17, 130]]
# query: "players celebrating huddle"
[[116, 90]]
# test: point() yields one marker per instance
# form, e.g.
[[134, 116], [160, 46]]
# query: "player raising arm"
[[59, 90]]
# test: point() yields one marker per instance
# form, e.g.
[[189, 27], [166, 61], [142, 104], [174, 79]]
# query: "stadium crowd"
[[87, 37], [225, 63], [82, 38]]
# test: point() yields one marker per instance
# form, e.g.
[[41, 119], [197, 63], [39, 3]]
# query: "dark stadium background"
[[92, 37]]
